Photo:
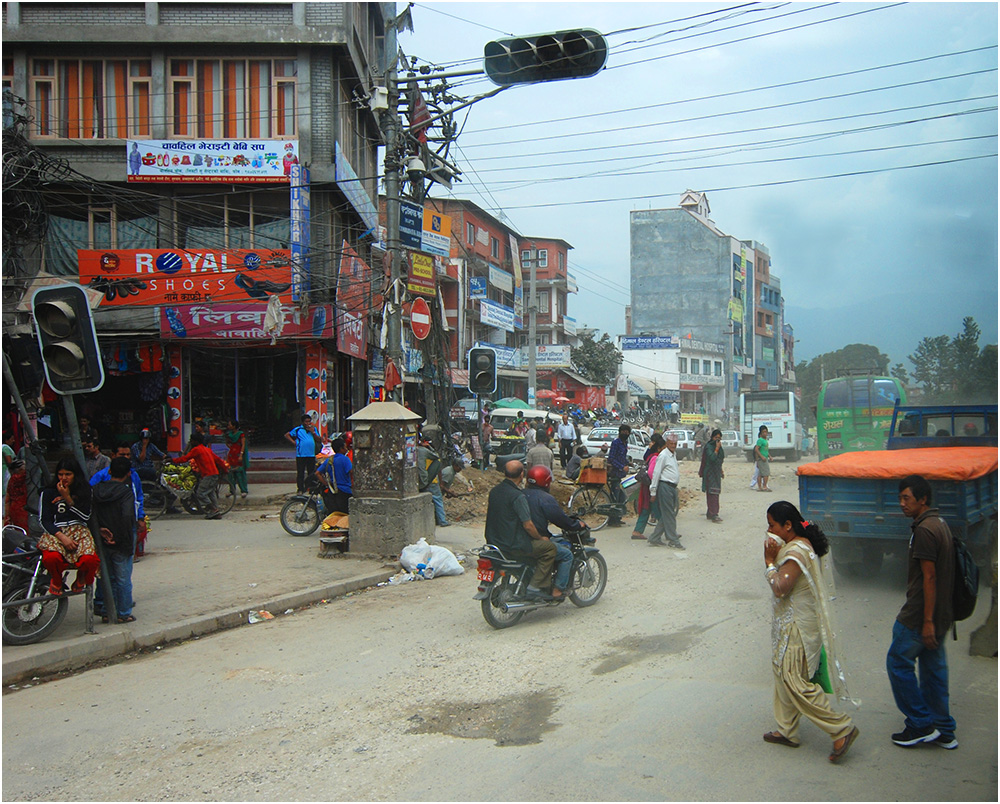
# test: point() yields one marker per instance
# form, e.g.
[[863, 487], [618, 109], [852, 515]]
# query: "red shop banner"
[[353, 303], [241, 322], [184, 276]]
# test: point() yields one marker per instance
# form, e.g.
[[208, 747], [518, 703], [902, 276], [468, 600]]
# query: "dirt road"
[[659, 692]]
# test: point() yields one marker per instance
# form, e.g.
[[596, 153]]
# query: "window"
[[561, 261], [543, 258], [89, 99], [718, 368], [525, 257], [8, 73], [229, 98], [495, 248], [760, 319], [470, 233], [695, 366], [682, 365], [543, 302]]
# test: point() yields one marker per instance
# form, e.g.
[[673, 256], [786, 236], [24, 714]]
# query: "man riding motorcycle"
[[545, 510]]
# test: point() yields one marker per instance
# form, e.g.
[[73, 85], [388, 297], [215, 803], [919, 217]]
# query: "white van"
[[503, 418]]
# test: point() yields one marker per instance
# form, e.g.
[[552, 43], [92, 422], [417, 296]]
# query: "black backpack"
[[965, 589]]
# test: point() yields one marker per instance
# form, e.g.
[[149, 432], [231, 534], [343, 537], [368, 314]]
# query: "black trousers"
[[565, 451], [303, 468]]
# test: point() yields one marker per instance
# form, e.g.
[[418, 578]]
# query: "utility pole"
[[393, 348], [532, 313]]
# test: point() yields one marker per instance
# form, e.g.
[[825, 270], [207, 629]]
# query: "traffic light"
[[67, 339], [579, 53], [482, 370]]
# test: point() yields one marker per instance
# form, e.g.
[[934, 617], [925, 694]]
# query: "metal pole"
[[95, 525], [393, 349], [532, 312]]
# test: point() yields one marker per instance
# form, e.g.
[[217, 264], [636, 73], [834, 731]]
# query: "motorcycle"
[[303, 513], [30, 613], [503, 580]]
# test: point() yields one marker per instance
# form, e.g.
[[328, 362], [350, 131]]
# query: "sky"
[[856, 141]]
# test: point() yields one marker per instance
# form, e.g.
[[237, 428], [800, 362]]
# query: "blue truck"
[[860, 514]]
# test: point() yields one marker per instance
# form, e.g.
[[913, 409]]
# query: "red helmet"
[[540, 477], [348, 438]]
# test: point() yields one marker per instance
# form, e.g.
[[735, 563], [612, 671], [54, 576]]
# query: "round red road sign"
[[420, 319]]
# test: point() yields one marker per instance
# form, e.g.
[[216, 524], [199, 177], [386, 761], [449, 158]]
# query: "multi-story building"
[[188, 128], [694, 283]]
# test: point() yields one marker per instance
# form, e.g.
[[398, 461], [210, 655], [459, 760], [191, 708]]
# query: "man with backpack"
[[921, 626], [115, 507]]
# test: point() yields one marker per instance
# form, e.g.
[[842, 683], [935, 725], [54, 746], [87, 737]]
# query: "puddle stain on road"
[[633, 649], [513, 720]]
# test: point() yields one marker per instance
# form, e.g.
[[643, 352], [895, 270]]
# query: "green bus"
[[854, 413]]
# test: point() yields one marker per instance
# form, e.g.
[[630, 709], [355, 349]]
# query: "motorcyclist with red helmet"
[[545, 510]]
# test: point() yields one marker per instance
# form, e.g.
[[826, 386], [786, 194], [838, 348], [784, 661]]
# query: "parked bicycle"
[[592, 499], [177, 485]]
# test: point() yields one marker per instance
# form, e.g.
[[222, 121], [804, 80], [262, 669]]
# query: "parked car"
[[598, 442], [730, 441], [686, 446]]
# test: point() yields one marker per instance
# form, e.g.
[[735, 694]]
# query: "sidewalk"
[[199, 577]]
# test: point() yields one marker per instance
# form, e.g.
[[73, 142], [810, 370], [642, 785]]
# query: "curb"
[[105, 646]]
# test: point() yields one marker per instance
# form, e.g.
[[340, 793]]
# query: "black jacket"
[[114, 505]]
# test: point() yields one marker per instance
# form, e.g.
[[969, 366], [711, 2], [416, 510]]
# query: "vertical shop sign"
[[420, 277], [352, 304], [515, 262], [299, 178], [175, 401], [315, 385]]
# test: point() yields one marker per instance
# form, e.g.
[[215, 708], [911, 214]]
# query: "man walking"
[[428, 469], [567, 438], [115, 505], [663, 496], [540, 454], [918, 635], [617, 465]]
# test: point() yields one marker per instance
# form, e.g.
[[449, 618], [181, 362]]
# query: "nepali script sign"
[[237, 322], [244, 161]]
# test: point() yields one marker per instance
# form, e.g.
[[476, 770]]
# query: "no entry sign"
[[420, 319]]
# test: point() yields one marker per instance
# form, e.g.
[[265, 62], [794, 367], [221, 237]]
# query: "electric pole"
[[532, 323]]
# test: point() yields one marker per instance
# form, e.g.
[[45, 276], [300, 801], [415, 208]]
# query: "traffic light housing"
[[578, 53], [67, 339], [482, 370]]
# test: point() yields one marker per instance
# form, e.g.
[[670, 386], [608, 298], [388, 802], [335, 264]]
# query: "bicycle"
[[592, 499], [176, 486]]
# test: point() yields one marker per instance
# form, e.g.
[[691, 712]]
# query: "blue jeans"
[[564, 562], [924, 703], [438, 499], [119, 568]]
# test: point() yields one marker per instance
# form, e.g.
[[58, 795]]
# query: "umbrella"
[[545, 393], [561, 400], [511, 402]]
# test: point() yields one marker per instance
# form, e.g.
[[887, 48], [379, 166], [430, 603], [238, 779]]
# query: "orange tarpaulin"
[[936, 463]]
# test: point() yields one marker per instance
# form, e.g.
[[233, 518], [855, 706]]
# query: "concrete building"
[[188, 128], [696, 285]]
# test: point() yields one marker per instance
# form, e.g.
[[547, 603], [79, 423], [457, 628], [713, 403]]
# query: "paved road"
[[660, 691]]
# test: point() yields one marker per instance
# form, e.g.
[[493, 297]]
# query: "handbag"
[[822, 674]]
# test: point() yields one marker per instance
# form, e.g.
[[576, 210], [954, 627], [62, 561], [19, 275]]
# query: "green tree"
[[900, 373], [598, 361], [932, 362], [955, 370]]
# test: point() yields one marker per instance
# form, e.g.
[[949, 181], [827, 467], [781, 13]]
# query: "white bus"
[[777, 410]]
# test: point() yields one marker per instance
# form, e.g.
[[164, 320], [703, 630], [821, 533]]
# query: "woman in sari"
[[711, 473], [67, 541], [238, 457], [643, 505], [801, 631]]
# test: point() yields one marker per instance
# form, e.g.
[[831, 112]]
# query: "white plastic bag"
[[413, 554], [443, 562]]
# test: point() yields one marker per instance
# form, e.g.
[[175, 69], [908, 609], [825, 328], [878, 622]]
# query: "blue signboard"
[[411, 224], [651, 342], [298, 177], [477, 287]]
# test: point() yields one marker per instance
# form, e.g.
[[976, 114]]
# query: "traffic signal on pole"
[[67, 339], [482, 370], [579, 53]]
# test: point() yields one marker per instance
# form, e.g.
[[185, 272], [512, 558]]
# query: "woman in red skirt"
[[67, 542]]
